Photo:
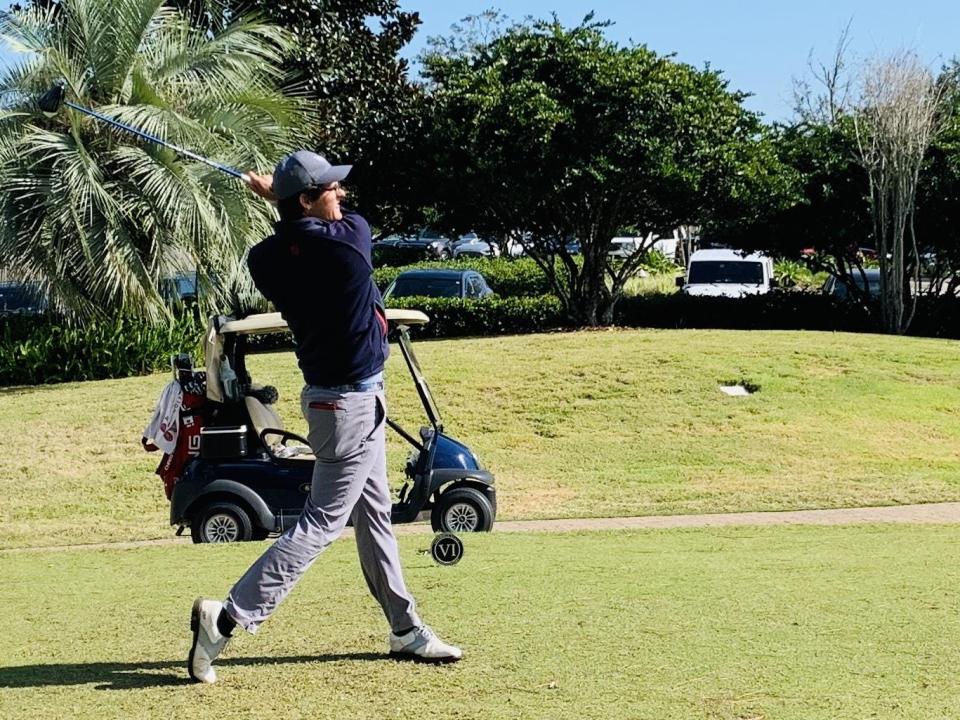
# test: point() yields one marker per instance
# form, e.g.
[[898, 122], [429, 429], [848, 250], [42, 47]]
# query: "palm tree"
[[100, 217]]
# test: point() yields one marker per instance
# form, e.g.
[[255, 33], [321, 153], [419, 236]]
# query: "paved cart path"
[[934, 513]]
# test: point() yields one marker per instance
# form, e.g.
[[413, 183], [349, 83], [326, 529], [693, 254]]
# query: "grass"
[[776, 623], [605, 423]]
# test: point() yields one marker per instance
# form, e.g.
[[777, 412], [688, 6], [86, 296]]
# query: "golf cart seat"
[[269, 428]]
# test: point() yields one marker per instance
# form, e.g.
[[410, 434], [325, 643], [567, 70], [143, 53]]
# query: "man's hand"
[[262, 185]]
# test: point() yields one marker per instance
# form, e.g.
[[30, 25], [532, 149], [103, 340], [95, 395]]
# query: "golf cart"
[[252, 476]]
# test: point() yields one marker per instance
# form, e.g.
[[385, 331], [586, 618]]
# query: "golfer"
[[316, 269]]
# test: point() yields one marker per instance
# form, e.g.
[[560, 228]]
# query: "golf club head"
[[50, 102]]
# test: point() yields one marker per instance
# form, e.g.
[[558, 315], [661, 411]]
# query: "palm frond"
[[100, 216]]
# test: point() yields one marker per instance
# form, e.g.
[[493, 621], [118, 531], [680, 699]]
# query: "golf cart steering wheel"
[[285, 435]]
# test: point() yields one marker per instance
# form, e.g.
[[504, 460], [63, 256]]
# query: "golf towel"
[[164, 426]]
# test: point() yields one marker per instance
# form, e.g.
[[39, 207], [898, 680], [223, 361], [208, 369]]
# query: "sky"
[[759, 46]]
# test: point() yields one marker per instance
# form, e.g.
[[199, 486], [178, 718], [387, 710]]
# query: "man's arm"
[[262, 185]]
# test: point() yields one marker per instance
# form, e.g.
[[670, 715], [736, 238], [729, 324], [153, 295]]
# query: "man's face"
[[327, 204]]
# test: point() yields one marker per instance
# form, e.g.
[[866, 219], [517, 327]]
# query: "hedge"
[[520, 277], [498, 316], [41, 349], [936, 317], [450, 317], [773, 311], [44, 349]]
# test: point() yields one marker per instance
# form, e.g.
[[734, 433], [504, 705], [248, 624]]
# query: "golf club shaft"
[[147, 136]]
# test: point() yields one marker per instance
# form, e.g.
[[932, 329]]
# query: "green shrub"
[[936, 317], [794, 275], [46, 349], [450, 317], [656, 263], [43, 349], [507, 277], [773, 311]]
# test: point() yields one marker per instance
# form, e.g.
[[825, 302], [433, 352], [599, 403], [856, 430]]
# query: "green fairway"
[[774, 623], [605, 423]]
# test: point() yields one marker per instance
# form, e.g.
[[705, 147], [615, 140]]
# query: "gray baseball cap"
[[303, 170]]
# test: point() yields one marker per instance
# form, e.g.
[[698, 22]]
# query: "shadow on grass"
[[131, 676]]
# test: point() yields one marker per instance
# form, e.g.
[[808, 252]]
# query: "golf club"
[[51, 101]]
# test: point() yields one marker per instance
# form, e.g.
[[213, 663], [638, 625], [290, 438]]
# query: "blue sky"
[[760, 46]]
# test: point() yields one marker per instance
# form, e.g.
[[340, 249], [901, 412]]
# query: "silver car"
[[472, 245]]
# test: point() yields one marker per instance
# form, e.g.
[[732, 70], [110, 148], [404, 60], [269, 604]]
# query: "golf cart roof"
[[222, 327], [273, 322]]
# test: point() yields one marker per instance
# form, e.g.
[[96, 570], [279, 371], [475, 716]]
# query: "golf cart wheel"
[[462, 509], [221, 522]]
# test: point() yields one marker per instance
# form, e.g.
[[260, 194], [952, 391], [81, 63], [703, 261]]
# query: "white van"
[[727, 273]]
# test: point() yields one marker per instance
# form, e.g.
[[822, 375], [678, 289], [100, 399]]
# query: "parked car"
[[727, 273], [406, 249], [869, 281], [21, 298], [472, 245], [667, 246], [463, 284], [621, 248], [517, 248]]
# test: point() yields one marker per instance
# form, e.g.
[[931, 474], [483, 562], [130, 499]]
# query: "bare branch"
[[826, 106], [897, 116]]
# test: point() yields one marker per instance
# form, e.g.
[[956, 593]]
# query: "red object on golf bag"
[[188, 442]]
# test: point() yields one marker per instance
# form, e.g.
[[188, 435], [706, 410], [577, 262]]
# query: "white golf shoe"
[[208, 641], [422, 645]]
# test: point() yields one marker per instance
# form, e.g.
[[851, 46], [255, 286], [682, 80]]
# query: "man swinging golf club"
[[316, 269]]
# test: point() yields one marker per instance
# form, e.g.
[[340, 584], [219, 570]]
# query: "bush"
[[794, 275], [43, 349], [936, 317], [450, 317], [773, 311], [507, 277], [656, 263], [46, 349]]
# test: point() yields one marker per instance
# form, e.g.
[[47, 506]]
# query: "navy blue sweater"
[[318, 274]]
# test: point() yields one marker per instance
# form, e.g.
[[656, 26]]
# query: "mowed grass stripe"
[[585, 424], [790, 623]]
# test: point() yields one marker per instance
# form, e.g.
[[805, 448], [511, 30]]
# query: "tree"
[[548, 133], [832, 210], [826, 99], [346, 60], [937, 216], [897, 118], [101, 217], [826, 219]]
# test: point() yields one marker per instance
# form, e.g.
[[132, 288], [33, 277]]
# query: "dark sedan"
[[406, 249], [21, 298], [868, 283], [462, 284]]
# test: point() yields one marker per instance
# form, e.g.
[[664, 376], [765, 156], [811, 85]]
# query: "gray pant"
[[349, 481]]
